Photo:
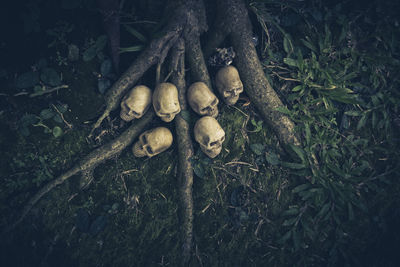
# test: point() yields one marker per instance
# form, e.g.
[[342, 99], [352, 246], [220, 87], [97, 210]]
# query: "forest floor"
[[334, 202]]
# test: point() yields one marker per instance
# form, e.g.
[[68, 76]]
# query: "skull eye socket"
[[149, 150], [125, 105], [144, 139], [135, 113], [204, 109], [214, 143], [214, 102]]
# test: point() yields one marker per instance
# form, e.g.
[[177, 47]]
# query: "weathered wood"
[[185, 153], [194, 55], [256, 85], [153, 54], [89, 162]]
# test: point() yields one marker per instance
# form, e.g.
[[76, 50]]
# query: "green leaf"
[[46, 114], [292, 165], [353, 113], [297, 88], [285, 237], [337, 170], [89, 53], [103, 85], [134, 48], [290, 61], [284, 110], [50, 76], [198, 170], [62, 107], [106, 67], [362, 121], [299, 151], [101, 42], [307, 133], [257, 125], [300, 188], [350, 211], [289, 222], [27, 79], [291, 211], [28, 119], [57, 118], [57, 131], [135, 33], [272, 158], [286, 45], [323, 210], [309, 45], [257, 148], [296, 239]]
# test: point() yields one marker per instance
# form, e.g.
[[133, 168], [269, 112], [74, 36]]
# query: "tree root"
[[155, 53], [185, 152], [89, 162], [256, 85], [186, 25]]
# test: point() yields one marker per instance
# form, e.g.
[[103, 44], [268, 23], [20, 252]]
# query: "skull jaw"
[[125, 116], [167, 118], [213, 113], [211, 153], [138, 151], [231, 100], [210, 112]]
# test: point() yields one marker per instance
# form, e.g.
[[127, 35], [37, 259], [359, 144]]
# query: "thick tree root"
[[89, 162], [185, 152], [256, 85], [182, 13], [155, 53]]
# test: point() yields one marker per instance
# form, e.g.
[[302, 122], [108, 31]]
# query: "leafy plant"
[[45, 115], [95, 48]]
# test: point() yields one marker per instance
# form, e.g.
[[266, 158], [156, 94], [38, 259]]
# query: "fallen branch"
[[88, 163], [48, 90]]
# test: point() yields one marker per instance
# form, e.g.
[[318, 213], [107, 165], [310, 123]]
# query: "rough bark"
[[185, 153], [256, 85], [153, 54], [89, 162], [196, 26]]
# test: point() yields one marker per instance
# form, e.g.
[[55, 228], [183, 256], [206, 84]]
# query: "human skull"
[[202, 100], [152, 142], [135, 103], [165, 101], [229, 84], [209, 134]]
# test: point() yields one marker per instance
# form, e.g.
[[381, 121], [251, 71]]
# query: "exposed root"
[[89, 162], [185, 152], [256, 85], [155, 53]]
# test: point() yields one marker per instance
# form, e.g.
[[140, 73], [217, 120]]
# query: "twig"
[[62, 116], [284, 78], [89, 162], [49, 90]]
